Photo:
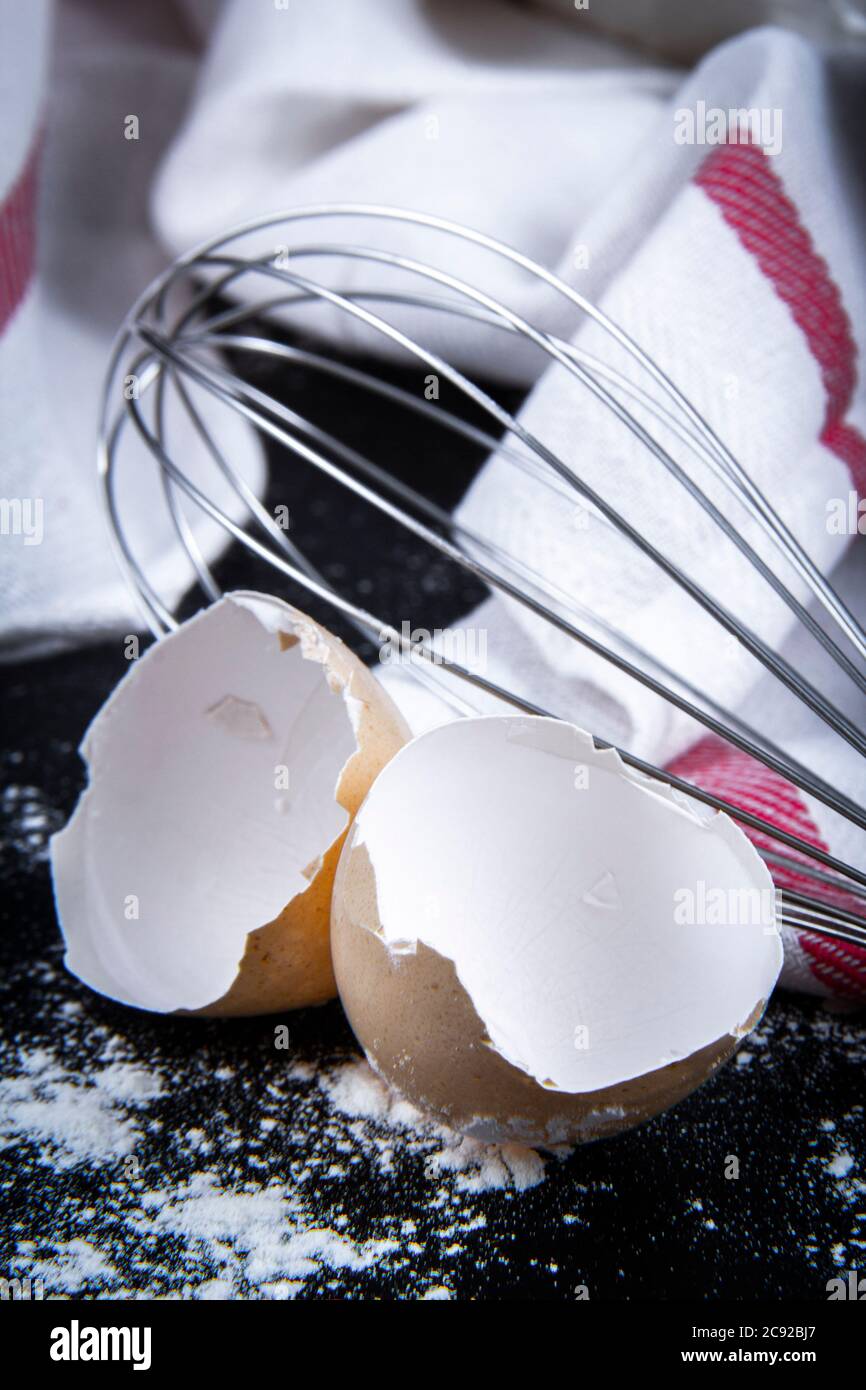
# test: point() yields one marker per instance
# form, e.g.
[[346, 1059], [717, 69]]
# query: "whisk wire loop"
[[178, 352]]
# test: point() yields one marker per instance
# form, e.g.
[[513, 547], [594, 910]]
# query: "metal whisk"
[[166, 348]]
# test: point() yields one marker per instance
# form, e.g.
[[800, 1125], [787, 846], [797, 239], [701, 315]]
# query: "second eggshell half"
[[507, 940]]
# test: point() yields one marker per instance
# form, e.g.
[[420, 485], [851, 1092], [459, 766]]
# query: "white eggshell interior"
[[556, 900], [184, 816]]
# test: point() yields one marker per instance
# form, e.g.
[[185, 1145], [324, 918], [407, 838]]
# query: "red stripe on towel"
[[18, 238], [742, 183], [726, 772]]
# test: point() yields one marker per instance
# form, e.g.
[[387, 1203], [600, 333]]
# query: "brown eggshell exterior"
[[421, 1033], [287, 962]]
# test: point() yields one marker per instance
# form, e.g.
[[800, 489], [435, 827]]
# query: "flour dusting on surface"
[[27, 822], [356, 1092], [72, 1119], [241, 1209], [194, 1159]]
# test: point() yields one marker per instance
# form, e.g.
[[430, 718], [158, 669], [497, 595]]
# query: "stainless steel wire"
[[173, 350]]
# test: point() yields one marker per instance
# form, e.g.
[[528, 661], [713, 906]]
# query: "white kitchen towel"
[[737, 265], [748, 286], [491, 114], [447, 101], [76, 247]]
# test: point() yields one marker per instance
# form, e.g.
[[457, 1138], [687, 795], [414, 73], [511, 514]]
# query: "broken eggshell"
[[196, 871], [512, 940]]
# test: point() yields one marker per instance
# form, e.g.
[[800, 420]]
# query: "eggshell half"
[[190, 877], [507, 940]]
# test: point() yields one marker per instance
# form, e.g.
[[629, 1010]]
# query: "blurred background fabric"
[[529, 121]]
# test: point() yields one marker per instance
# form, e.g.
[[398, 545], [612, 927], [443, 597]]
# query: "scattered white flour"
[[193, 1160], [840, 1165], [258, 1231], [73, 1120], [357, 1092], [226, 1236], [27, 821], [72, 1262]]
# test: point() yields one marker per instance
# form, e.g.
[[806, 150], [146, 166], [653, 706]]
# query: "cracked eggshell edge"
[[296, 944], [451, 1071], [285, 962], [441, 1061], [441, 1058]]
